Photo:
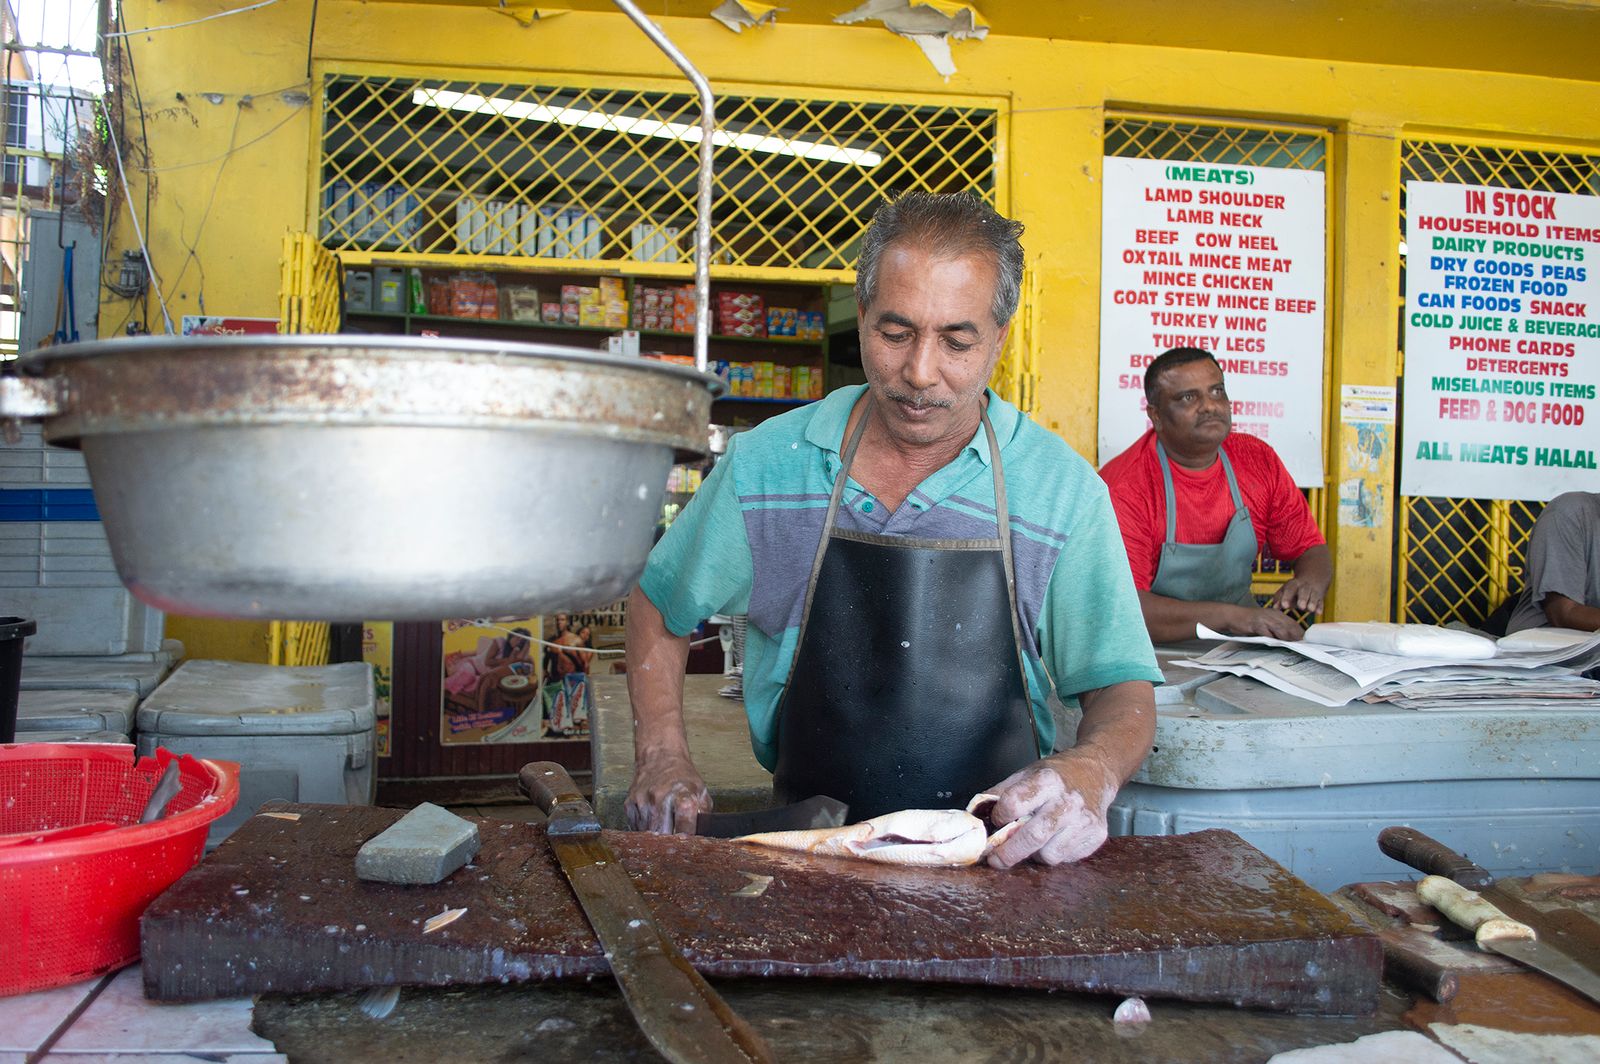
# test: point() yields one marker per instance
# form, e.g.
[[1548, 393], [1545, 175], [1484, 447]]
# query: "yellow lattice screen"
[[308, 288], [1137, 136], [1459, 559], [598, 176]]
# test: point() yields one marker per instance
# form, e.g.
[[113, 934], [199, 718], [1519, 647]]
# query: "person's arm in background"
[[1171, 620], [1292, 535], [1566, 613], [1305, 593]]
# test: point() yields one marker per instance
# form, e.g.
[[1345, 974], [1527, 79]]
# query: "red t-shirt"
[[1283, 522]]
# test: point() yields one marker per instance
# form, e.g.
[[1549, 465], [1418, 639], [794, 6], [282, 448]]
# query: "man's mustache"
[[916, 402]]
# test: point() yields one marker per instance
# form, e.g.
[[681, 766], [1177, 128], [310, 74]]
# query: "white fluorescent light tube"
[[641, 127]]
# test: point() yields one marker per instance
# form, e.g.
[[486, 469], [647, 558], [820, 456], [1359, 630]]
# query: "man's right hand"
[[667, 795], [1264, 621]]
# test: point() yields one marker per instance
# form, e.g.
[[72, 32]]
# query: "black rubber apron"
[[1207, 572], [907, 689]]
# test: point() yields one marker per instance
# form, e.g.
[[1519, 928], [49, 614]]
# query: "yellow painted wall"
[[233, 208]]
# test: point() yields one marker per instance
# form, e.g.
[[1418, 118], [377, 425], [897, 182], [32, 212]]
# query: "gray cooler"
[[72, 737], [77, 674], [76, 712], [301, 734]]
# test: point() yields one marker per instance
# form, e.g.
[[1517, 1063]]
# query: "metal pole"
[[702, 226]]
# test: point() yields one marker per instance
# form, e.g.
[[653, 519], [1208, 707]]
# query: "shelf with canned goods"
[[768, 341]]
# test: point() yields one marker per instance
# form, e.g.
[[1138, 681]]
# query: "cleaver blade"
[[818, 811]]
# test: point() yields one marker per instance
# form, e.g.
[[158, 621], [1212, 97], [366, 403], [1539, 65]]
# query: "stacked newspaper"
[[1524, 672]]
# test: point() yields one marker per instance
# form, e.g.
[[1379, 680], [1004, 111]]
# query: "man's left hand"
[[1300, 595], [1064, 798]]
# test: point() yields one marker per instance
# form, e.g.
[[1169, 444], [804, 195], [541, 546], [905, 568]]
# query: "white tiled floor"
[[120, 1025]]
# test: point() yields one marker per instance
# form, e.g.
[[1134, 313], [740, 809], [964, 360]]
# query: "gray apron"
[[907, 689], [1207, 572]]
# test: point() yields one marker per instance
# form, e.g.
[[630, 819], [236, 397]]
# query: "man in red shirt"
[[1197, 503]]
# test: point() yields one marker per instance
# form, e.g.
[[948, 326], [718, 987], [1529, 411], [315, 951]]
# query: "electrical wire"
[[133, 216], [224, 156], [191, 22], [144, 133], [194, 255], [483, 622]]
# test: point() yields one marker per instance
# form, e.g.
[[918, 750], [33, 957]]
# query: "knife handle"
[[1411, 847], [553, 791], [1471, 911]]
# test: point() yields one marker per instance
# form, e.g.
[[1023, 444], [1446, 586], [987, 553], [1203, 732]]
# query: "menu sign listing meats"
[[1502, 342], [1231, 259]]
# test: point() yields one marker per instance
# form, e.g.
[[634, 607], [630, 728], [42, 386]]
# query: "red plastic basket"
[[70, 907]]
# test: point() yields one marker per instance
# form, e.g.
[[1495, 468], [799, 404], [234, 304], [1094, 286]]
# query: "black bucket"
[[13, 630]]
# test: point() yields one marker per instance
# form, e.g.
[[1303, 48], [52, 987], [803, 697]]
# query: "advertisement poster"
[[1231, 259], [1502, 342], [377, 650], [208, 325], [1366, 437], [568, 662], [490, 683]]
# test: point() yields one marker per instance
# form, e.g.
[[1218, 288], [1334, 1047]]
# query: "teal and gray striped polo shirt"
[[746, 541]]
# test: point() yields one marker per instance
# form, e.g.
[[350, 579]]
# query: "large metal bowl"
[[354, 477]]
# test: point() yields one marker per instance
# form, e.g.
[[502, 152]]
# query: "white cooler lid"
[[76, 711], [235, 698]]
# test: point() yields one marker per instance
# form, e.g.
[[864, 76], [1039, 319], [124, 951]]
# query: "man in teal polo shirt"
[[919, 563]]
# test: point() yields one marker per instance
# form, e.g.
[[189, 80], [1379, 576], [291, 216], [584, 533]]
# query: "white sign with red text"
[[1231, 259], [1502, 343]]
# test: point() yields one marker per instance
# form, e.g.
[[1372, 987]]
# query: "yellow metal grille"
[[298, 643], [601, 175], [1459, 559], [309, 288], [1141, 136]]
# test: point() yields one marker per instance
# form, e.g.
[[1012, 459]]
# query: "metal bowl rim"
[[420, 348]]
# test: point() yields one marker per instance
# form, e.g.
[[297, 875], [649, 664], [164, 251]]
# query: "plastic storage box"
[[73, 674], [301, 734], [1518, 792], [76, 712]]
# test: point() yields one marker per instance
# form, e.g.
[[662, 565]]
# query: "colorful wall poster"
[[1366, 440], [1502, 342], [377, 650], [1231, 259], [490, 682], [211, 325], [568, 662]]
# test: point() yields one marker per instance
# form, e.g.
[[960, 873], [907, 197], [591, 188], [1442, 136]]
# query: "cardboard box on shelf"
[[624, 343], [519, 303]]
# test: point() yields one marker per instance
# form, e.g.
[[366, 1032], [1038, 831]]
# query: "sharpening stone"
[[423, 846]]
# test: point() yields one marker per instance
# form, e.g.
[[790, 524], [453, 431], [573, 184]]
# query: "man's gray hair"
[[947, 226]]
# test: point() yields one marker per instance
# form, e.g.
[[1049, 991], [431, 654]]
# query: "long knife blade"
[[1496, 932], [1569, 930], [678, 1011]]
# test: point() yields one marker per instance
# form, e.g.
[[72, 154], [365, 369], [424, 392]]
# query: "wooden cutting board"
[[1203, 917]]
